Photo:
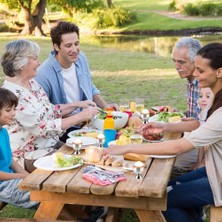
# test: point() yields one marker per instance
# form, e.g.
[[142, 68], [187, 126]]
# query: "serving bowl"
[[120, 120]]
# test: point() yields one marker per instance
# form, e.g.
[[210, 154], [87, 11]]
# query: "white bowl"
[[118, 123]]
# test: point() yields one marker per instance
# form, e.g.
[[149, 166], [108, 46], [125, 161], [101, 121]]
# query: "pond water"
[[159, 45]]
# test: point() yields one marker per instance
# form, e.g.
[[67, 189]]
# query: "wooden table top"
[[153, 184]]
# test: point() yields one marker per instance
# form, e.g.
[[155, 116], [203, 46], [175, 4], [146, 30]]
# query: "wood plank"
[[58, 181], [130, 187], [48, 210], [150, 216], [96, 200], [215, 214], [79, 185], [35, 180], [102, 190], [66, 149], [157, 178]]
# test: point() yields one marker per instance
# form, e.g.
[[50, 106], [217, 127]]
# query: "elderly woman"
[[187, 194], [38, 124]]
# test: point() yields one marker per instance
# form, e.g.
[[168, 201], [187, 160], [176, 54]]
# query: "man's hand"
[[87, 103], [114, 106]]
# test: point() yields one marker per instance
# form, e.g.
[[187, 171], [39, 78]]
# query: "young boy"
[[11, 174]]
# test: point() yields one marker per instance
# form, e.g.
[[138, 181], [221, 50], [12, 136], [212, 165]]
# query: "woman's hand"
[[152, 128], [115, 149]]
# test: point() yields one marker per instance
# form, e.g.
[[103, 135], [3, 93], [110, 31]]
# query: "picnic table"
[[54, 189]]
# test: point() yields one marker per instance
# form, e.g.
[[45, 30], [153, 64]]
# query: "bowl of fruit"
[[153, 137]]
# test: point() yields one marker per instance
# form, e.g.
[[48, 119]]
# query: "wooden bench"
[[215, 214], [2, 205]]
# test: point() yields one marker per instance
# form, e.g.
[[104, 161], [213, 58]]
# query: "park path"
[[177, 15]]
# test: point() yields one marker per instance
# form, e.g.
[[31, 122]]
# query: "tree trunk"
[[109, 3], [33, 21]]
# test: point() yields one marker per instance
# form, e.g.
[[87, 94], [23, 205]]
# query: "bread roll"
[[93, 154]]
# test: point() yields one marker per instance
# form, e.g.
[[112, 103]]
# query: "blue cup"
[[110, 135]]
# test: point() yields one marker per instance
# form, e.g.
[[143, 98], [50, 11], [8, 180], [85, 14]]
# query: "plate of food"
[[58, 162], [86, 141], [85, 133], [162, 156]]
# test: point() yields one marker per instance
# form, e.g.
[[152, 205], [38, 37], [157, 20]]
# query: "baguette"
[[135, 157]]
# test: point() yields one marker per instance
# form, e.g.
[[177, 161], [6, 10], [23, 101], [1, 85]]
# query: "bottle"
[[132, 106], [109, 121]]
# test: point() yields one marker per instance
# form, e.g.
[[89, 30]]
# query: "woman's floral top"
[[37, 124]]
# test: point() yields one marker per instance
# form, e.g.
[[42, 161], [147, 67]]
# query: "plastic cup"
[[110, 135]]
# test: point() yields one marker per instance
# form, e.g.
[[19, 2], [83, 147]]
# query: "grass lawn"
[[122, 75]]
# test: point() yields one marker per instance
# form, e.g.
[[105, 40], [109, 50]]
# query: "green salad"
[[164, 116], [64, 161]]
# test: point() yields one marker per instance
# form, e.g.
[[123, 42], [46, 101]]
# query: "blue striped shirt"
[[192, 99]]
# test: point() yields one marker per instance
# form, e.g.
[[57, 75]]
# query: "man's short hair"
[[192, 44]]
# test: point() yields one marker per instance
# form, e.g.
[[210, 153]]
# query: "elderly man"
[[184, 53]]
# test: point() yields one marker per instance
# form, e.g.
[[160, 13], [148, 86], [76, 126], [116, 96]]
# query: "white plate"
[[162, 156], [153, 141], [86, 141], [72, 133], [47, 163]]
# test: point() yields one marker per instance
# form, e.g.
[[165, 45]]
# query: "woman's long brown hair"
[[213, 52]]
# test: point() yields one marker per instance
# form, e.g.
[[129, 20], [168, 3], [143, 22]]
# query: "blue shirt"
[[5, 152], [50, 78]]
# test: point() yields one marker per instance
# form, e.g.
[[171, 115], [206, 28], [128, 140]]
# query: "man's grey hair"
[[192, 44]]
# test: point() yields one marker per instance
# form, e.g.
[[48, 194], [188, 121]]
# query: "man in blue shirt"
[[65, 74]]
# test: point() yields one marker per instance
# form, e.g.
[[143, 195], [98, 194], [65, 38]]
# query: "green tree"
[[34, 10]]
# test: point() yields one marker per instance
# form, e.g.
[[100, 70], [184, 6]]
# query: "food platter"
[[85, 133], [86, 141], [47, 163], [162, 156]]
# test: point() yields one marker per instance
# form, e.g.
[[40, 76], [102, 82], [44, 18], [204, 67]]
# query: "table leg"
[[150, 216], [48, 210], [113, 215]]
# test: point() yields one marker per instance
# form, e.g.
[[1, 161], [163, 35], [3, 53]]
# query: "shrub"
[[191, 10], [208, 9], [198, 8]]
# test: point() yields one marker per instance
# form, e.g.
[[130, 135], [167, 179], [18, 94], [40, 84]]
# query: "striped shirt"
[[192, 97]]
